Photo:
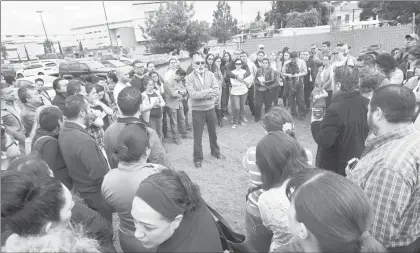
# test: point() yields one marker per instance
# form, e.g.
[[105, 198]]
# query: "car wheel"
[[19, 75], [40, 74]]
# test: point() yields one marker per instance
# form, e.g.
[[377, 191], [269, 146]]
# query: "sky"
[[20, 17]]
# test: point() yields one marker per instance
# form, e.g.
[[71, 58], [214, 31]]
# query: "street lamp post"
[[107, 25], [42, 20]]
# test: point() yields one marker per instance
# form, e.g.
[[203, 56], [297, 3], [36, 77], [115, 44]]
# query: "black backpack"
[[292, 68]]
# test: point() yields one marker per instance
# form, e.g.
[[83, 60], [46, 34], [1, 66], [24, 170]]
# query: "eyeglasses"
[[200, 62], [139, 67], [210, 59], [238, 64]]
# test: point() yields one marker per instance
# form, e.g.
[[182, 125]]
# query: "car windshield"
[[95, 65], [117, 63]]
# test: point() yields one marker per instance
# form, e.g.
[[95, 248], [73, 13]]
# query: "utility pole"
[[414, 22], [241, 12], [106, 19], [45, 31]]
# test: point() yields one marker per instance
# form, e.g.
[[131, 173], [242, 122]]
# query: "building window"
[[347, 18], [338, 20]]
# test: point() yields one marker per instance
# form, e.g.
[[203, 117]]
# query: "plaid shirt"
[[97, 133], [388, 172]]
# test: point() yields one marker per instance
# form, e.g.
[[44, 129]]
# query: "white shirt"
[[118, 88]]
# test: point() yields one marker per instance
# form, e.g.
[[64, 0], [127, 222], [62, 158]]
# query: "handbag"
[[231, 241]]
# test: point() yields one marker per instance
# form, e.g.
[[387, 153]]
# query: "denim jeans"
[[237, 103], [175, 116], [200, 118], [258, 236], [297, 99], [156, 124], [225, 98], [263, 97], [186, 111]]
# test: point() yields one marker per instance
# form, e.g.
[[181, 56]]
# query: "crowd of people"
[[95, 149]]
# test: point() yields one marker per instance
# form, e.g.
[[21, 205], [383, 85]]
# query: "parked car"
[[30, 80], [78, 68], [42, 68], [106, 57], [116, 64]]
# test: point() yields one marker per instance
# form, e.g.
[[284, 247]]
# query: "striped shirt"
[[248, 162], [388, 172]]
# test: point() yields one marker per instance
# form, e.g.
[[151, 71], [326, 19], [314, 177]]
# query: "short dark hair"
[[56, 83], [135, 62], [340, 44], [9, 79], [30, 165], [347, 76], [89, 78], [398, 103], [68, 77], [111, 75], [23, 93], [148, 63], [172, 59], [28, 203], [367, 59], [278, 157], [180, 72], [129, 101], [39, 79], [326, 43], [386, 62], [89, 87], [75, 104], [74, 87]]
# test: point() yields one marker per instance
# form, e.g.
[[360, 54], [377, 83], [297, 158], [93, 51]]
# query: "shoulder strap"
[[41, 141], [253, 189], [219, 217]]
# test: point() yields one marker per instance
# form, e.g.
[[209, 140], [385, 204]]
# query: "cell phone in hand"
[[317, 114]]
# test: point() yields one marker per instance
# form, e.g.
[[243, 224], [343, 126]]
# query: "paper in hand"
[[317, 114]]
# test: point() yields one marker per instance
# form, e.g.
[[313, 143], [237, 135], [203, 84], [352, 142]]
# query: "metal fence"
[[388, 37]]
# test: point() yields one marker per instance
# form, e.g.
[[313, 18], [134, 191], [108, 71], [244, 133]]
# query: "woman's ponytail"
[[368, 244], [192, 197]]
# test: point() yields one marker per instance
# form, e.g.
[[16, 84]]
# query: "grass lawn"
[[224, 183]]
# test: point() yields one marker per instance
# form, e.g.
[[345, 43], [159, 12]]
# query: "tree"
[[224, 25], [368, 9], [303, 19], [171, 27], [277, 16], [48, 46], [59, 47], [4, 51], [258, 25], [198, 32], [258, 18]]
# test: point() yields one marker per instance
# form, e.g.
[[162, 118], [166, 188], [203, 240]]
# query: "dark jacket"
[[50, 152], [60, 100], [270, 77], [138, 82], [85, 161], [307, 81], [342, 133]]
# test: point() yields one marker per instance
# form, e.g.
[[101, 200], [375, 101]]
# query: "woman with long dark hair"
[[389, 66], [219, 74], [264, 88], [285, 93], [329, 213], [227, 58], [170, 214], [279, 156], [210, 62]]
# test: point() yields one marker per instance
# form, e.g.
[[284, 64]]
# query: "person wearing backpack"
[[45, 143], [293, 71]]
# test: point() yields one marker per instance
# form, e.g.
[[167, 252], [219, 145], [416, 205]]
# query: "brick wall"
[[389, 37]]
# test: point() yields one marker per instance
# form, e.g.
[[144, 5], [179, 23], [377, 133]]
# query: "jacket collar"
[[134, 166], [343, 95], [62, 95], [128, 120], [43, 132], [376, 142], [69, 124]]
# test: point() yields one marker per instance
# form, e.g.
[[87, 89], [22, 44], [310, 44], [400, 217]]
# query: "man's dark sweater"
[[60, 100], [139, 82], [85, 162]]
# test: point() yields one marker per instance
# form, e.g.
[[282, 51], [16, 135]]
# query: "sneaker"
[[225, 118], [245, 120], [233, 126], [242, 124]]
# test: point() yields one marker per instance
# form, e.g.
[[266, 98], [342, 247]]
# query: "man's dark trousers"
[[199, 119]]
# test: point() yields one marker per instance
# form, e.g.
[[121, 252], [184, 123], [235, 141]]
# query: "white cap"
[[260, 46]]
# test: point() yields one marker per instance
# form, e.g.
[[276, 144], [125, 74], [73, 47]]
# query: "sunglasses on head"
[[200, 62]]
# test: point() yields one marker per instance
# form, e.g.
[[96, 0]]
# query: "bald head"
[[123, 75]]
